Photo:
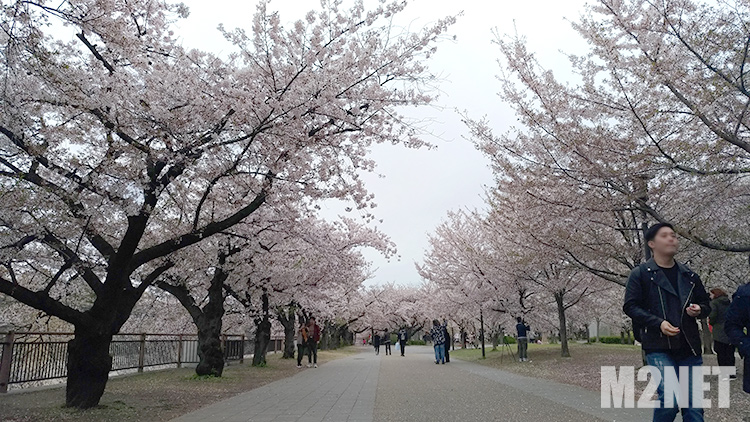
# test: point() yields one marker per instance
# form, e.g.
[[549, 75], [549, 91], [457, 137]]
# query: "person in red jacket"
[[312, 343]]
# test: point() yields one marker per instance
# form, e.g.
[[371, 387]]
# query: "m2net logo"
[[677, 383]]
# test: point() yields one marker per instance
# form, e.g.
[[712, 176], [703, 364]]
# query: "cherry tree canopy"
[[119, 146]]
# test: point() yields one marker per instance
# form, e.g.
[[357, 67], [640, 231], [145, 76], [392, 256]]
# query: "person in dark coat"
[[448, 341], [737, 320], [403, 336], [313, 338], [437, 332], [522, 330], [665, 299], [386, 340], [302, 335], [376, 343], [722, 345]]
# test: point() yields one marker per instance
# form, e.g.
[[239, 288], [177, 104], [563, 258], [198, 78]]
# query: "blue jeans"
[[662, 360], [440, 353]]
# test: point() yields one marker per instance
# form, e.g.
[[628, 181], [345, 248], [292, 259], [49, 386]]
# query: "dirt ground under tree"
[[154, 396], [583, 369]]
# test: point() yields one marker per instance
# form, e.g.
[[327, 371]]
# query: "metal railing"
[[29, 357]]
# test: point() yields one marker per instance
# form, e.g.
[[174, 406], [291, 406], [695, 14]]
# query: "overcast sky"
[[418, 187]]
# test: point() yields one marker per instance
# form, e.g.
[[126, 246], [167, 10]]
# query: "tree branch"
[[95, 52], [195, 236], [42, 301]]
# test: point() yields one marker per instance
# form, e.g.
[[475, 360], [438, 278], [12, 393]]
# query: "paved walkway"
[[366, 387], [340, 390]]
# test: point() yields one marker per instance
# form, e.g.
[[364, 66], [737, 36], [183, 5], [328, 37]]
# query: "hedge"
[[510, 340], [610, 340]]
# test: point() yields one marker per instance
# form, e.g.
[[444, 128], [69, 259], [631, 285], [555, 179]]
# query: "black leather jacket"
[[738, 320], [651, 299]]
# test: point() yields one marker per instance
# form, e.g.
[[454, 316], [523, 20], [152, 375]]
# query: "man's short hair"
[[653, 230], [518, 319]]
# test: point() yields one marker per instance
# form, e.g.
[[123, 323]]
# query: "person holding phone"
[[665, 299]]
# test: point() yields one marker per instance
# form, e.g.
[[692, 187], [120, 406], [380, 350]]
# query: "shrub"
[[509, 340], [612, 340], [416, 343]]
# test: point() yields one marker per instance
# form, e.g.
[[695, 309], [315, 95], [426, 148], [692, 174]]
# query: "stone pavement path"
[[414, 388], [340, 390], [366, 387]]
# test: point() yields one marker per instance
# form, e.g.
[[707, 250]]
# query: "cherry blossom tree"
[[653, 128], [309, 266], [120, 147], [656, 122], [394, 307], [207, 315], [470, 275]]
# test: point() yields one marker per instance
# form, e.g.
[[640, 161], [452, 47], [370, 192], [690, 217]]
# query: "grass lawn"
[[583, 369], [154, 396]]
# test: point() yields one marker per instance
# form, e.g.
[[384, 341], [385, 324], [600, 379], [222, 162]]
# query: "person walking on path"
[[387, 342], [402, 336], [665, 298], [722, 345], [438, 341], [376, 343], [523, 339], [448, 341], [313, 338], [737, 320], [302, 335]]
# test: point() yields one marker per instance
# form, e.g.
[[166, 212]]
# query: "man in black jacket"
[[448, 341], [737, 321], [664, 298], [402, 337]]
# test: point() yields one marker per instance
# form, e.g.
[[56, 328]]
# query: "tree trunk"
[[262, 334], [208, 319], [89, 363], [325, 338], [340, 333], [211, 356], [564, 351], [598, 333], [347, 335], [287, 319], [708, 339]]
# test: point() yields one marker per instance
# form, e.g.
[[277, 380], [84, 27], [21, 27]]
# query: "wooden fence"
[[29, 357]]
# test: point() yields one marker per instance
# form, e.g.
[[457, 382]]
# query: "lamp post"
[[481, 329]]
